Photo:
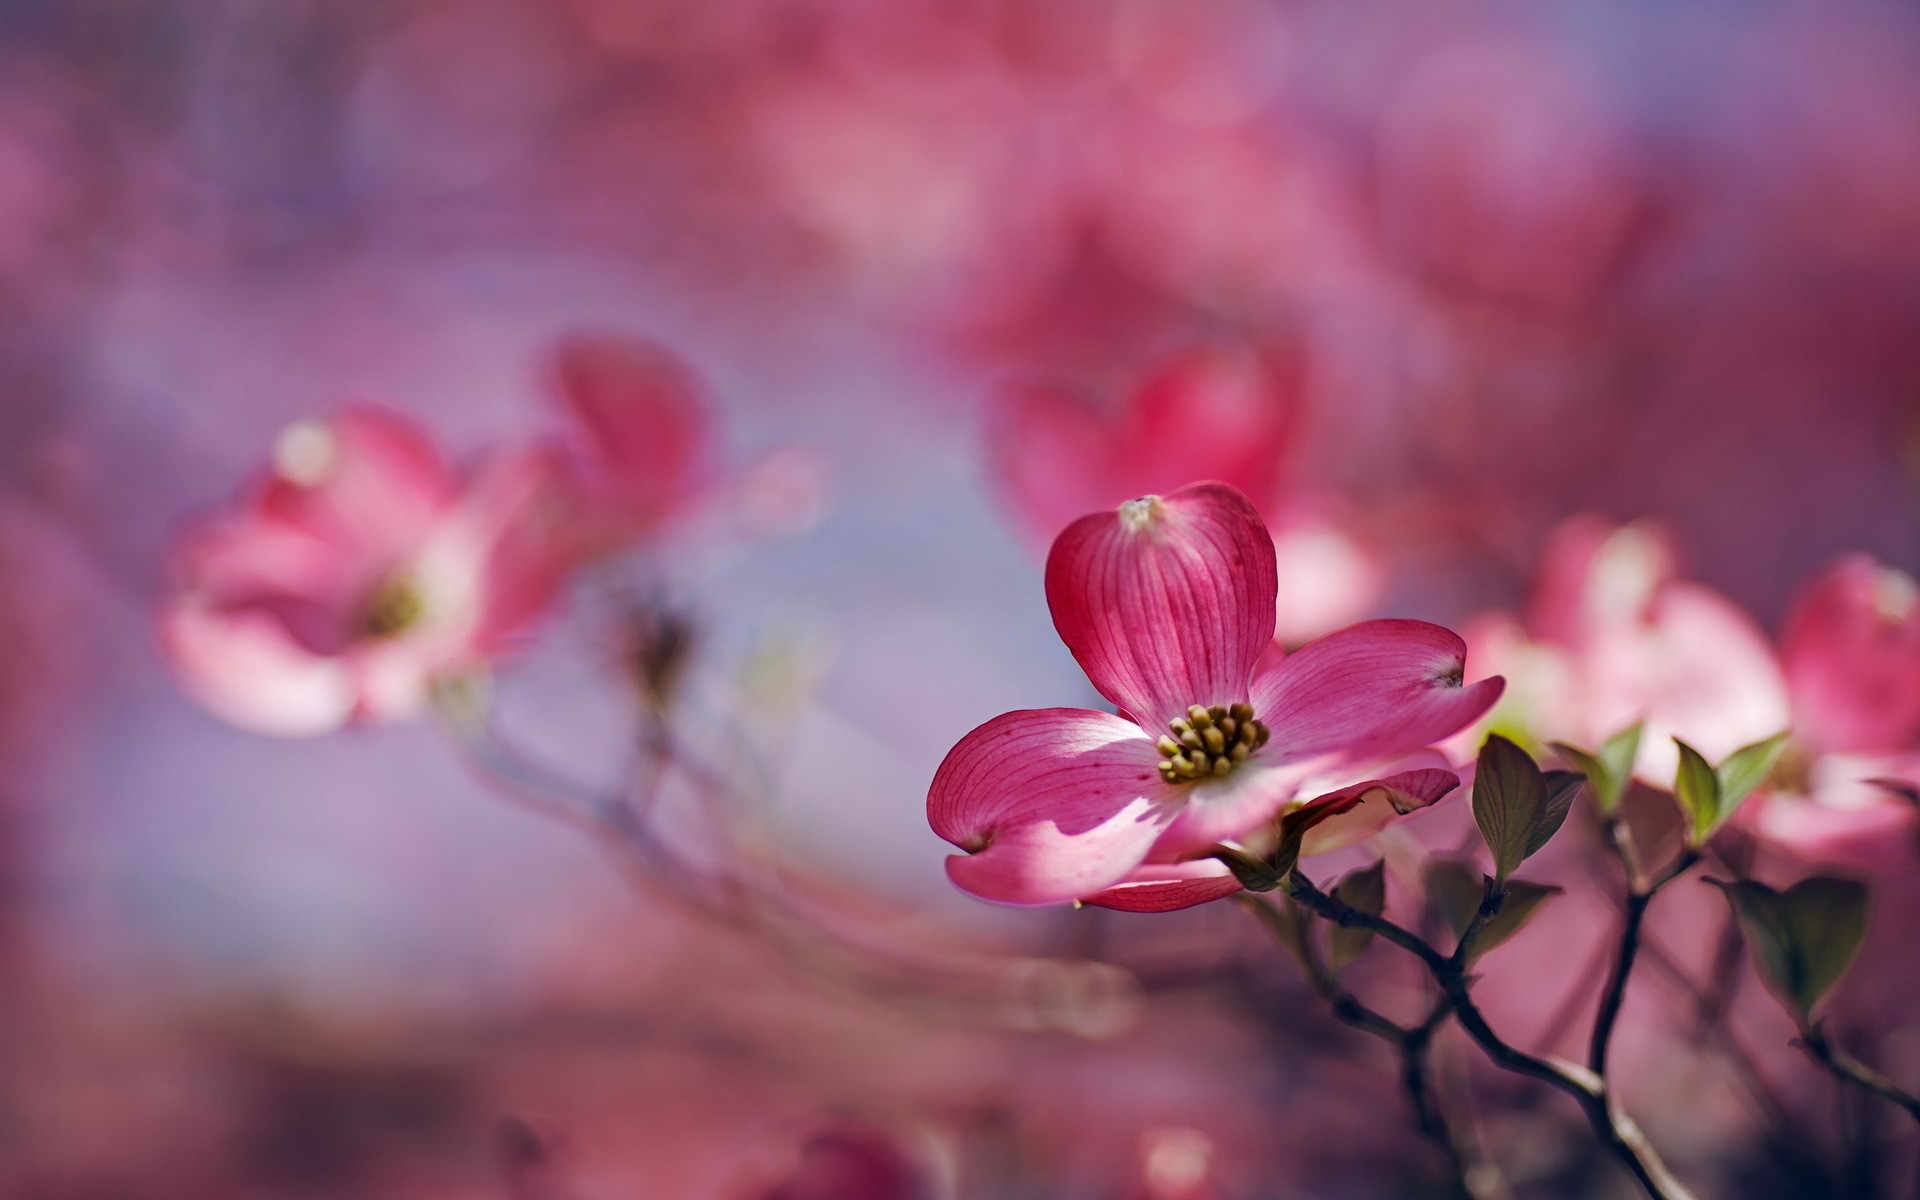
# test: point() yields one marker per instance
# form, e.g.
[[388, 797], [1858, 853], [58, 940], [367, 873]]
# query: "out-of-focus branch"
[[1413, 1044], [740, 888], [1821, 1048], [1640, 893], [1615, 1129]]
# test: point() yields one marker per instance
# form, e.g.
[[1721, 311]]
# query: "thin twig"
[[749, 894]]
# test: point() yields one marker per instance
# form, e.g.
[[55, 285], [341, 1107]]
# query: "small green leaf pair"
[[1803, 939], [1517, 806], [1708, 795]]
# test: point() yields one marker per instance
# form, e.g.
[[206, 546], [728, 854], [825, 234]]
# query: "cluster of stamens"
[[1208, 742], [395, 606]]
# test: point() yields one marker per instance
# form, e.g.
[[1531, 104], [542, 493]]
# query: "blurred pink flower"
[[1210, 413], [644, 433], [853, 1163], [356, 573], [1167, 604], [1502, 178], [1612, 635], [1848, 789]]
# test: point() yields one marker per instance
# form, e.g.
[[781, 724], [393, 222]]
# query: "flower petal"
[[1219, 810], [1376, 690], [1881, 836], [244, 666], [1698, 668], [1852, 650], [1051, 804], [1164, 887], [1051, 457], [1168, 601], [1593, 574], [1366, 808], [496, 562], [363, 478], [1214, 413], [645, 418]]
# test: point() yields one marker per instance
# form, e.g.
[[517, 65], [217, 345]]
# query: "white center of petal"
[[1209, 742], [1138, 516], [1626, 573], [305, 452]]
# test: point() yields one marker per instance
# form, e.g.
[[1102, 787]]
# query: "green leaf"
[[1606, 789], [1523, 901], [1697, 788], [1619, 753], [1802, 939], [1516, 807], [1366, 890], [1453, 892], [1746, 769], [1610, 771], [1562, 787], [1828, 920]]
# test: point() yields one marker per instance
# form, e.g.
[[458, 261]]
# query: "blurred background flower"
[[1459, 272]]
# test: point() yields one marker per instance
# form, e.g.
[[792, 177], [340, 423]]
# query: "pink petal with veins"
[[1168, 602], [1375, 804], [1051, 805], [1376, 690], [1164, 887], [1219, 810]]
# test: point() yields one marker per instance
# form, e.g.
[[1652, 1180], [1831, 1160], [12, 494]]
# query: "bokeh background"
[[1540, 259]]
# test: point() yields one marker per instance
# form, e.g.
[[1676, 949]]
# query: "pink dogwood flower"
[[1848, 788], [1056, 455], [1612, 635], [356, 573], [1167, 603]]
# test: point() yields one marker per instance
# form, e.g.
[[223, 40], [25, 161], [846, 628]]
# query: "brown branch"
[[1844, 1066], [1614, 1128]]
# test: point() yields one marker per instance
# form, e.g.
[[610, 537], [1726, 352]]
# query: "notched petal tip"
[[1177, 618], [1142, 515]]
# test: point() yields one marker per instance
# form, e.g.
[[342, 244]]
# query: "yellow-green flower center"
[[395, 607], [1209, 742]]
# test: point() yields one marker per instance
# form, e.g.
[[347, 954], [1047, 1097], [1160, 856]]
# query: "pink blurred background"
[[1537, 260]]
